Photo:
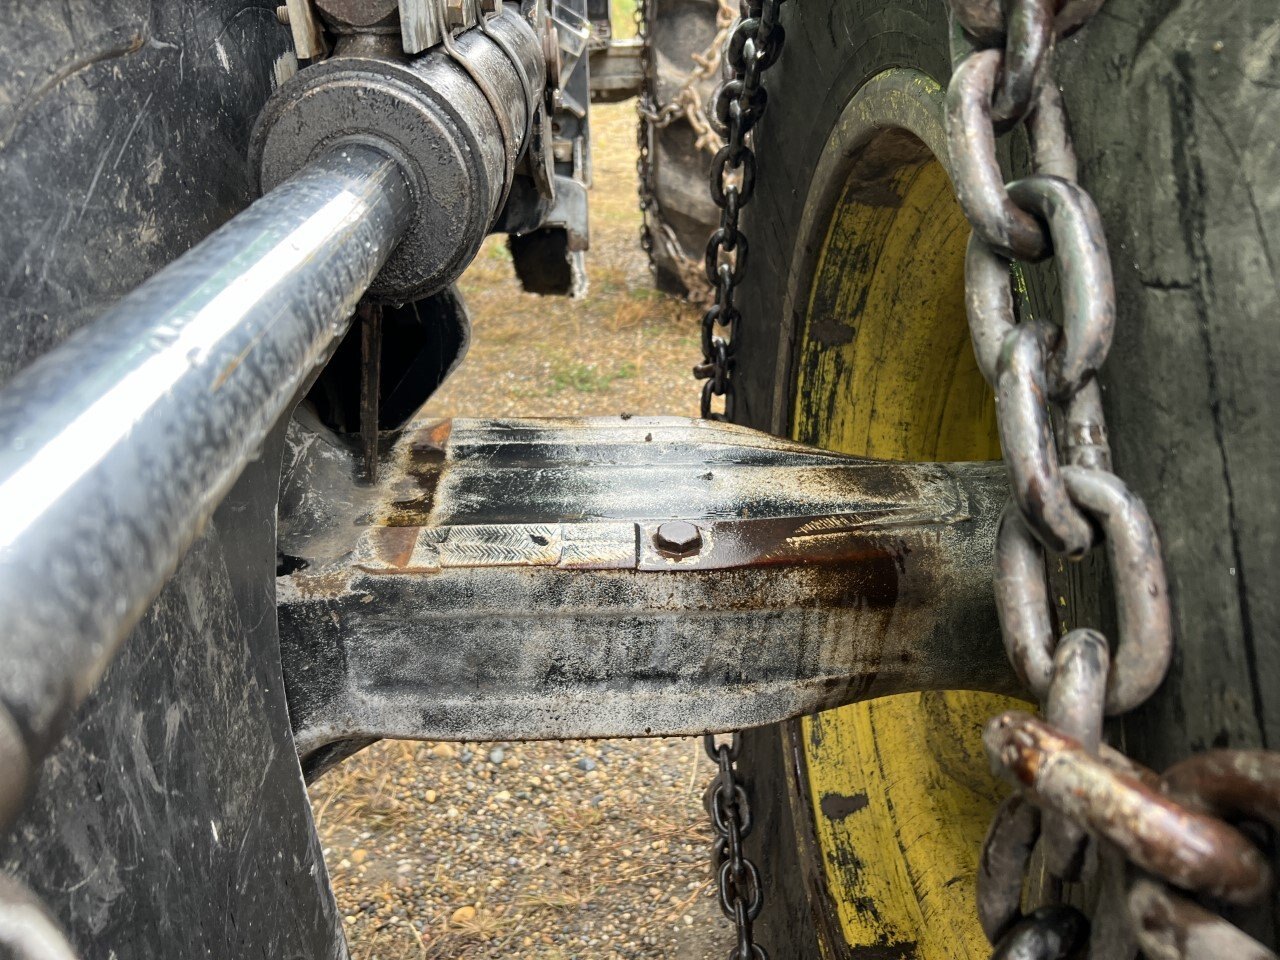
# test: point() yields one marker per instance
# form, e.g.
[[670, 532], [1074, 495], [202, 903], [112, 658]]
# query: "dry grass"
[[623, 348]]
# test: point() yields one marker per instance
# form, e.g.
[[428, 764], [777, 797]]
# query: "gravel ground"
[[541, 850]]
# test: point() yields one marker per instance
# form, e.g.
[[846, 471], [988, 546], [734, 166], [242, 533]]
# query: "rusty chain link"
[[686, 102], [1065, 502], [753, 47], [737, 877]]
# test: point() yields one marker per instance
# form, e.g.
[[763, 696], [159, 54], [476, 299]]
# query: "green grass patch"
[[586, 378], [498, 251], [622, 13]]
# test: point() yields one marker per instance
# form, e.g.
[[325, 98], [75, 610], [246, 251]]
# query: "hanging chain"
[[737, 878], [754, 46], [644, 132], [1066, 501]]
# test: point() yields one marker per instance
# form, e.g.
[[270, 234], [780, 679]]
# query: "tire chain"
[[738, 883], [686, 103], [1066, 500], [754, 46], [654, 227]]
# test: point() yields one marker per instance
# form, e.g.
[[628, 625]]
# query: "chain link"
[[686, 102], [737, 877], [1066, 501], [644, 132], [754, 46]]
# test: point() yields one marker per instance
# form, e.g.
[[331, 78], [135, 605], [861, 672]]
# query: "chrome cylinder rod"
[[116, 447]]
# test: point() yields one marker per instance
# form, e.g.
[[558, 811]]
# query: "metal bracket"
[[535, 579], [308, 35], [616, 71], [425, 23]]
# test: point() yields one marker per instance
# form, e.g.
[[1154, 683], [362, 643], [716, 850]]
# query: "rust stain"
[[437, 434], [394, 545]]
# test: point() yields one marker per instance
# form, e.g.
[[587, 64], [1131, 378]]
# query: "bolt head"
[[456, 12], [358, 13], [678, 538]]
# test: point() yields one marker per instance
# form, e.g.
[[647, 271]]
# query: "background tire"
[[679, 30], [1175, 116], [171, 820]]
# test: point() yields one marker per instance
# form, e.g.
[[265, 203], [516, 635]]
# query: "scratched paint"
[[886, 370]]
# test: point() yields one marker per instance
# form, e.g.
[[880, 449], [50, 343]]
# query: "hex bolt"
[[678, 538], [359, 14], [282, 15]]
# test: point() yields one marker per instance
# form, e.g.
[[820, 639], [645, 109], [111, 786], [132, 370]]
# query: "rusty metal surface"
[[1188, 848], [506, 580]]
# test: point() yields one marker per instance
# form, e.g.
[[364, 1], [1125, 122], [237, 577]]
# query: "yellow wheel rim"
[[899, 788]]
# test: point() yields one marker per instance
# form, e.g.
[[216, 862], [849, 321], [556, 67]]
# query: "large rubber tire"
[[1175, 113], [678, 29], [172, 819]]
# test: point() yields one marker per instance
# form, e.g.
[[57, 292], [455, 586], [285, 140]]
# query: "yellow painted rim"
[[899, 791]]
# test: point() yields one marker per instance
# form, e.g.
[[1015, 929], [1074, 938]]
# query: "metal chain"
[[654, 227], [644, 133], [754, 46], [737, 877], [1066, 501], [686, 101]]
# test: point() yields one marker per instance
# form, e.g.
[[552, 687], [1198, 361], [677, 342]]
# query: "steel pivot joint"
[[455, 119]]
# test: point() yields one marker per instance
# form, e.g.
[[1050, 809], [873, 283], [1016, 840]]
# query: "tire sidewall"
[[836, 46]]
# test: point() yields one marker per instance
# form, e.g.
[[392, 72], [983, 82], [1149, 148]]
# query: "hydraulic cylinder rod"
[[116, 447]]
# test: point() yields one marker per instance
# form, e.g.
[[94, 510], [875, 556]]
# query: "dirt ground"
[[541, 850]]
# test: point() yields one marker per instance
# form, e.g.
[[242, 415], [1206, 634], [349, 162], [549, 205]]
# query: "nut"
[[358, 14], [678, 538]]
